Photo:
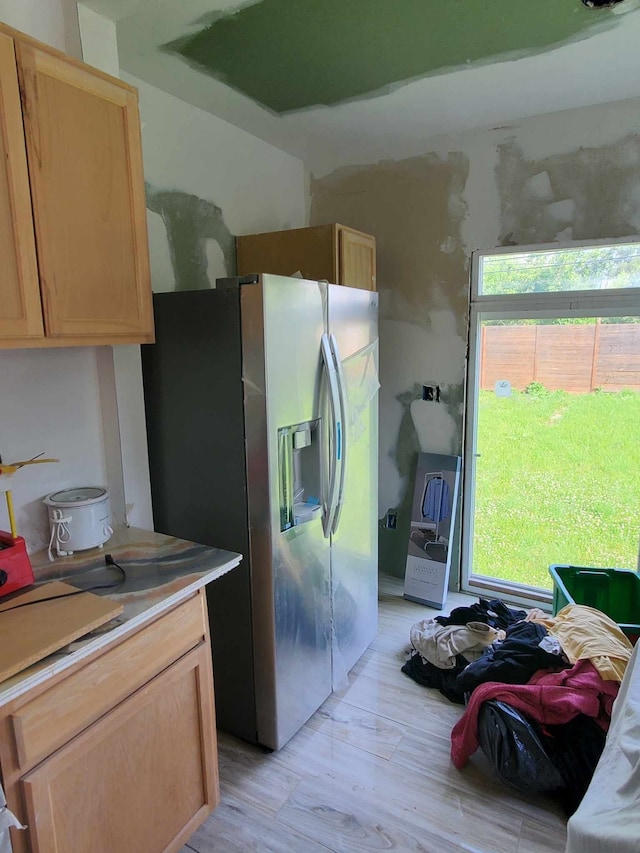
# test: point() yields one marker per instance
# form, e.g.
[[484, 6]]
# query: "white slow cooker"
[[79, 519]]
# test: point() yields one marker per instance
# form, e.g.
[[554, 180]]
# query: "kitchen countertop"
[[160, 572]]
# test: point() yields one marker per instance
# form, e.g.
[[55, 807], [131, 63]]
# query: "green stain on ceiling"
[[292, 54]]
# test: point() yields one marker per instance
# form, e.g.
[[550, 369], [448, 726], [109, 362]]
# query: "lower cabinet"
[[139, 779], [135, 779]]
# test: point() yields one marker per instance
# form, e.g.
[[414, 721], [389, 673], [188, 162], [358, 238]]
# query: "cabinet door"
[[20, 309], [357, 259], [85, 166], [109, 789]]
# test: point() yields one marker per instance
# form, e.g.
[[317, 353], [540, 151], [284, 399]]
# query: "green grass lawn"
[[558, 481]]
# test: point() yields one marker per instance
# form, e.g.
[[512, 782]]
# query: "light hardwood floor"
[[371, 771]]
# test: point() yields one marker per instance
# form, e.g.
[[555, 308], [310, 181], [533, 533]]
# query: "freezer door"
[[353, 331], [289, 554]]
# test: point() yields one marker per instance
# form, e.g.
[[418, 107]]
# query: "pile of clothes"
[[538, 689]]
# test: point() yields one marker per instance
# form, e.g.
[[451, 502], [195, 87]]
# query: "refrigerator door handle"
[[335, 461], [342, 395]]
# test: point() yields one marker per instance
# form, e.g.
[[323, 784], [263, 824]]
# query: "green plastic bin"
[[615, 592]]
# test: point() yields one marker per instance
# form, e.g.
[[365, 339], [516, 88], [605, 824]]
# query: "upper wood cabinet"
[[332, 252], [72, 178], [20, 311]]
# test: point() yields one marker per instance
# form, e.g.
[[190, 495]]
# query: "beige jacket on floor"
[[439, 644]]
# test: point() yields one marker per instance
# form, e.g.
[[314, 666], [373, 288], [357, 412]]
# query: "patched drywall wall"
[[567, 176], [190, 223], [569, 196], [207, 181], [415, 209]]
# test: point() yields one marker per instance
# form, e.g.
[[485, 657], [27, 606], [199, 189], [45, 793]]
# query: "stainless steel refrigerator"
[[262, 421]]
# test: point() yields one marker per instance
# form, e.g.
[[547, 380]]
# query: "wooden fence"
[[574, 358]]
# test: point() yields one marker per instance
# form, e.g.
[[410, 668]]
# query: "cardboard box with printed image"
[[433, 516]]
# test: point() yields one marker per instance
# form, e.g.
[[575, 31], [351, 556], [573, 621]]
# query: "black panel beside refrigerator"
[[195, 431]]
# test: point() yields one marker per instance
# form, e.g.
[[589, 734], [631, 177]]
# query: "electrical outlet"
[[431, 393]]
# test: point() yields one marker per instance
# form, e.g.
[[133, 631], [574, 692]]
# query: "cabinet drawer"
[[58, 714]]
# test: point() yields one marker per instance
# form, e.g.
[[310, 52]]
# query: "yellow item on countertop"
[[9, 468]]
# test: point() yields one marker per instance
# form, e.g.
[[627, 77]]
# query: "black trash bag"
[[514, 746], [575, 748]]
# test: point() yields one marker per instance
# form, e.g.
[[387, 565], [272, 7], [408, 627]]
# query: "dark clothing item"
[[494, 613], [429, 675], [513, 661]]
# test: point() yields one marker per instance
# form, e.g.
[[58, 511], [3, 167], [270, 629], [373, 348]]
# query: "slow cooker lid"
[[78, 496]]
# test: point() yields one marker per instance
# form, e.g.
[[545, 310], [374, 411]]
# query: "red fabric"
[[549, 697]]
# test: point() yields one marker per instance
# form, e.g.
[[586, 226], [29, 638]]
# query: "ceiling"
[[339, 82]]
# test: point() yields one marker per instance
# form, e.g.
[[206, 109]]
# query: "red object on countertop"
[[15, 566]]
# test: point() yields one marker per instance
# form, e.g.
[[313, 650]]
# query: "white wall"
[[49, 402], [256, 186], [49, 399], [85, 405], [91, 448], [119, 368], [54, 22]]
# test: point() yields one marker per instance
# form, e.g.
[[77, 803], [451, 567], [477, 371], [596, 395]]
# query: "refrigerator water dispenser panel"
[[299, 463]]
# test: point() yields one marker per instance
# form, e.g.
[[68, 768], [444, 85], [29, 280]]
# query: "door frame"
[[578, 303]]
